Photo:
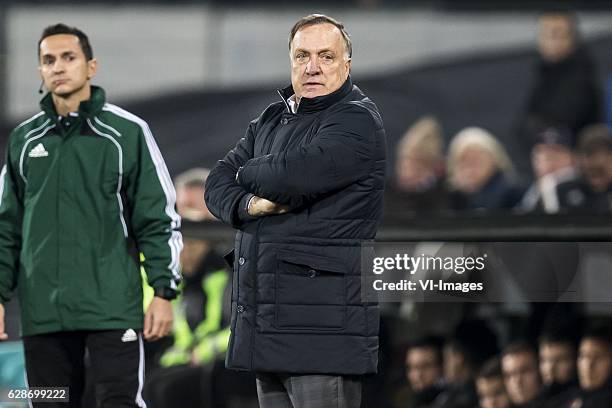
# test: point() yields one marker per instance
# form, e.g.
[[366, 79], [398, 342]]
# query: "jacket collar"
[[88, 108], [319, 103]]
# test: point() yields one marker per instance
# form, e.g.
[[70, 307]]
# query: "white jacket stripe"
[[175, 242]]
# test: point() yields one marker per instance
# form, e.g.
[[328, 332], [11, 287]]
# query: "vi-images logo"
[[38, 151]]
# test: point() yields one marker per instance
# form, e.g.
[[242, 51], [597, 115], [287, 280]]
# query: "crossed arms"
[[338, 155]]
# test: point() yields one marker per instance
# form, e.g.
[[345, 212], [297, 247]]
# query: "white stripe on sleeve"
[[175, 242]]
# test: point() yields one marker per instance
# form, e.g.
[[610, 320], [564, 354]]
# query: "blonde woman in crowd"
[[418, 185], [480, 173]]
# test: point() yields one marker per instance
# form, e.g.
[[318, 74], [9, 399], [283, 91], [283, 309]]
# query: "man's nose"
[[58, 66], [313, 68]]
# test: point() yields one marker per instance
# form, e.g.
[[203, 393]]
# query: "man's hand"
[[158, 319], [3, 335], [259, 207]]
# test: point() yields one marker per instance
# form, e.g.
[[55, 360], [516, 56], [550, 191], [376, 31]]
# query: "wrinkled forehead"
[[319, 37]]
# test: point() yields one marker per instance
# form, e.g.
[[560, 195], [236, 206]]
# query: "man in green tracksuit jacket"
[[83, 190]]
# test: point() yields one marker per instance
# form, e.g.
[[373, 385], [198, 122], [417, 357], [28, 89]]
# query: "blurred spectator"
[[557, 187], [520, 369], [419, 171], [490, 386], [595, 369], [424, 370], [566, 91], [471, 344], [594, 153], [192, 372], [480, 172], [189, 195], [557, 353]]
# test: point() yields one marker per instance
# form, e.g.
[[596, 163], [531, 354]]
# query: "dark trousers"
[[115, 366], [209, 385], [308, 391]]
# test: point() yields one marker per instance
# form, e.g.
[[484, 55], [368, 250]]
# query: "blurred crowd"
[[571, 148], [449, 361], [564, 369], [432, 355]]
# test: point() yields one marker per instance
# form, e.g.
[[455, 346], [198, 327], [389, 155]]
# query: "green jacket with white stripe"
[[79, 198]]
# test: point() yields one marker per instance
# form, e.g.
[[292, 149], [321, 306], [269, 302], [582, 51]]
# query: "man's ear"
[[92, 68]]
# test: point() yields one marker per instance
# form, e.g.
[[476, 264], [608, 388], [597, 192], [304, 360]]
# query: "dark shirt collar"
[[319, 103]]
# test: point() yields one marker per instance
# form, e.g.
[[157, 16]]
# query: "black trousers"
[[208, 385], [115, 366]]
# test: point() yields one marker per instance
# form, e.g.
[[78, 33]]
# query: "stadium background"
[[198, 72]]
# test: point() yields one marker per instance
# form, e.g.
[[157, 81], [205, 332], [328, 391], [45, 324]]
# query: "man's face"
[[454, 365], [319, 61], [63, 66], [594, 363], [556, 37], [191, 205], [491, 393], [557, 363], [521, 377], [422, 368], [474, 167], [597, 169], [415, 171], [547, 159]]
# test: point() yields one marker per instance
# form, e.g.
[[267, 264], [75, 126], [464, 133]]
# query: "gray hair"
[[314, 19]]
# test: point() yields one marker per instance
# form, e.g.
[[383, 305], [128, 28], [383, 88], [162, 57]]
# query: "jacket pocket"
[[310, 292]]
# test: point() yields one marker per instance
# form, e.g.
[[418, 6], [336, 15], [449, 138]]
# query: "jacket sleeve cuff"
[[243, 208]]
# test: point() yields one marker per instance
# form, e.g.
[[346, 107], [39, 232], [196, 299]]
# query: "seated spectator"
[[418, 185], [471, 344], [566, 91], [189, 199], [192, 372], [424, 370], [557, 353], [490, 386], [521, 377], [557, 187], [595, 369], [594, 153], [481, 175]]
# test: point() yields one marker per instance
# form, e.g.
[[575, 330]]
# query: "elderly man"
[[304, 189]]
